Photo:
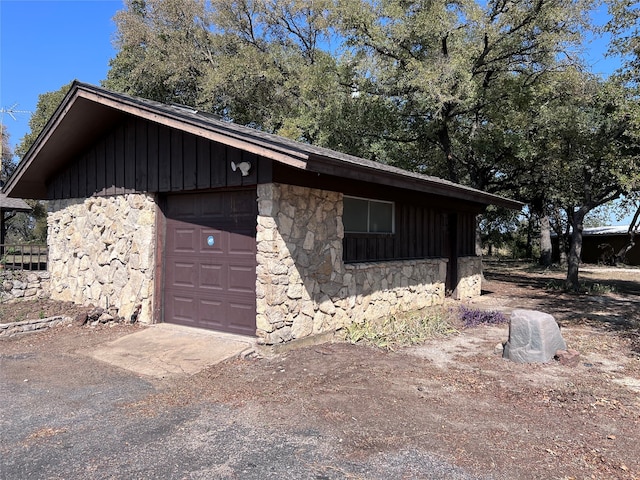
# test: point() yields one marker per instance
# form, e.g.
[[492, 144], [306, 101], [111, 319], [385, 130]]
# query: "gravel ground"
[[449, 408], [78, 418]]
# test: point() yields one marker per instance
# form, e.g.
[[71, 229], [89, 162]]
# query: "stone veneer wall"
[[101, 252], [469, 278], [303, 287], [23, 285]]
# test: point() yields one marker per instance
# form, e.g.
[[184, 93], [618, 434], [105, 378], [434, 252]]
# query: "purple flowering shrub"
[[473, 318]]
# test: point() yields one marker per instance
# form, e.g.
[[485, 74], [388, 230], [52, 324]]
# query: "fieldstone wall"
[[101, 252], [29, 326], [303, 287], [469, 278], [20, 284]]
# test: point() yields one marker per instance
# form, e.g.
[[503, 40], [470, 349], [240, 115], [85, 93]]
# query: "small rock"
[[95, 313], [499, 349], [105, 318], [568, 358], [81, 319]]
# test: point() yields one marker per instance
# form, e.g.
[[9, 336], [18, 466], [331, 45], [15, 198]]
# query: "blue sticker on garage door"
[[210, 240]]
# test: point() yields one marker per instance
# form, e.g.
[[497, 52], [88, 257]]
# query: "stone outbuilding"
[[173, 215]]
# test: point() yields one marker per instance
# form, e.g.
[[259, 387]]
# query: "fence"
[[23, 257]]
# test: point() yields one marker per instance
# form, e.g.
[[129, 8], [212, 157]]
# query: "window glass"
[[355, 214], [380, 217], [367, 216]]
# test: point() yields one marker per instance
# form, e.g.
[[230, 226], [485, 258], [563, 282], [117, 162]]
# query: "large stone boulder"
[[534, 337]]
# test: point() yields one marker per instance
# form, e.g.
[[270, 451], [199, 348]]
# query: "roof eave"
[[398, 178], [59, 140]]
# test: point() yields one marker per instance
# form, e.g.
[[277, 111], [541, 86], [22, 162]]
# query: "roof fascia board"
[[46, 133], [265, 149], [329, 166]]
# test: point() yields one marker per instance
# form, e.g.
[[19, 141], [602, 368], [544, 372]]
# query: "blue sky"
[[45, 44]]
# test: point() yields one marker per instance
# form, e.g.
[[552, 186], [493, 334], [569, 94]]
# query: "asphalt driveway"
[[67, 415]]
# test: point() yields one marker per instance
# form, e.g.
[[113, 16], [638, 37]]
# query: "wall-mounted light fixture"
[[244, 167]]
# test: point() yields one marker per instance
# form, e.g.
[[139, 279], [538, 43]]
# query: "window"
[[367, 216]]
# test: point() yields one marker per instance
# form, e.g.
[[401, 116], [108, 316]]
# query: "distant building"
[[600, 242]]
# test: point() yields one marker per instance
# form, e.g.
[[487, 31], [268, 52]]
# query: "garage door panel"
[[209, 314], [183, 240], [240, 277], [183, 274], [242, 244], [182, 207], [210, 261], [213, 207], [183, 308], [236, 313], [218, 238], [212, 277]]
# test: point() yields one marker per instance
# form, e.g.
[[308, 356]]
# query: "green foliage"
[[46, 107], [455, 72], [7, 156], [489, 94], [624, 26], [28, 227], [401, 330]]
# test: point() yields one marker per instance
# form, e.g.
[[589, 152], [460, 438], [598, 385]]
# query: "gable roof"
[[87, 111]]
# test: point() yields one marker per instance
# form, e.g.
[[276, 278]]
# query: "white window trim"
[[369, 200]]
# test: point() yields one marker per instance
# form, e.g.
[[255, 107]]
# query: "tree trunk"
[[633, 227], [529, 248], [546, 250], [575, 251]]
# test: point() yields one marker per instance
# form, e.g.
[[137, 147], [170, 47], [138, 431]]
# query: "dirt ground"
[[452, 396]]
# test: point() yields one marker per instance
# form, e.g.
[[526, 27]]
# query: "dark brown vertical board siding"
[[130, 156], [252, 178], [421, 232], [110, 163], [203, 163], [164, 159], [234, 179], [119, 158], [176, 161], [412, 232], [420, 243], [73, 182], [189, 163], [57, 187], [66, 187], [142, 156], [100, 166], [218, 165], [265, 170], [404, 243], [142, 150], [82, 176], [153, 158], [91, 172], [466, 234]]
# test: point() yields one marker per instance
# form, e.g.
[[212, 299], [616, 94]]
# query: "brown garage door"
[[210, 261]]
